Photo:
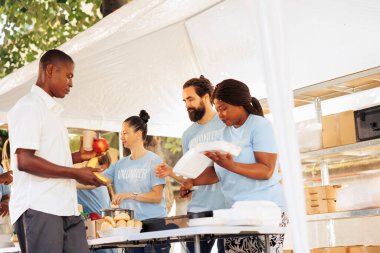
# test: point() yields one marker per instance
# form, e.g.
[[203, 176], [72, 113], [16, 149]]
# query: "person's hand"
[[86, 176], [6, 178], [117, 198], [186, 189], [163, 170], [225, 161], [4, 208]]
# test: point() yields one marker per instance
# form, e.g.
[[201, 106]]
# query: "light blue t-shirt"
[[255, 135], [138, 176], [94, 200], [207, 197], [4, 189]]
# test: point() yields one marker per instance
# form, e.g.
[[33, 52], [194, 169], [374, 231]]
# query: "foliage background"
[[30, 27]]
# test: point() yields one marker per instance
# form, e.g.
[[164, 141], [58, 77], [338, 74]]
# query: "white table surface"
[[202, 230]]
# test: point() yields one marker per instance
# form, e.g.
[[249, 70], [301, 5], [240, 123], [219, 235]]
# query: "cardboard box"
[[321, 199], [287, 251], [356, 249], [322, 192], [372, 249], [315, 206], [92, 228], [319, 250], [363, 249], [338, 129], [342, 249], [321, 206]]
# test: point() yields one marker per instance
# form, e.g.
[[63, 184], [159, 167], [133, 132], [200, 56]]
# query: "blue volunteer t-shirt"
[[94, 200], [207, 197], [4, 189], [255, 135], [138, 176]]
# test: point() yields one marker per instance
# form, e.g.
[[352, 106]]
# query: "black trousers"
[[40, 232]]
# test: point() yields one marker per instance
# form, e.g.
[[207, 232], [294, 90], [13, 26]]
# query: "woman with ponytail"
[[253, 174], [136, 185]]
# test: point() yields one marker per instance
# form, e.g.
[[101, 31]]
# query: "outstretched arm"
[[154, 196]]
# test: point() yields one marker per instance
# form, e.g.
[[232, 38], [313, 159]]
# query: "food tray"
[[118, 231], [191, 164], [221, 146], [207, 221]]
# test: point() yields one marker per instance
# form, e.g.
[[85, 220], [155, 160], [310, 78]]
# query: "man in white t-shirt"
[[43, 205]]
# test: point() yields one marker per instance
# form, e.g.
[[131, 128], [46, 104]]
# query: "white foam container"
[[118, 231]]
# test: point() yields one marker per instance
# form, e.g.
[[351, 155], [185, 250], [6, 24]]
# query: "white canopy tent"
[[139, 57]]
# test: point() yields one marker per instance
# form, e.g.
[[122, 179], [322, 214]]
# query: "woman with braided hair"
[[253, 174]]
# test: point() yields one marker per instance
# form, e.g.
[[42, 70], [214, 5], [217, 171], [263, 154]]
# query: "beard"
[[195, 114]]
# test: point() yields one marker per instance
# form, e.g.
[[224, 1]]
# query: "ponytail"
[[254, 107]]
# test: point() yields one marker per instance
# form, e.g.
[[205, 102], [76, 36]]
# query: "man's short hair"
[[53, 56], [202, 86]]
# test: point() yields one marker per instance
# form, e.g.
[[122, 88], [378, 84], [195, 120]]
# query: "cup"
[[88, 139]]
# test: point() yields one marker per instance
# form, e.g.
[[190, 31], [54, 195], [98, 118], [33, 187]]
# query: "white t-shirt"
[[35, 123]]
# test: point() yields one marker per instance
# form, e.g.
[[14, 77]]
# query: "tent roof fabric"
[[139, 56]]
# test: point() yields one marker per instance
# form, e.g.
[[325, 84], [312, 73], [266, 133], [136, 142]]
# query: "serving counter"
[[177, 235], [185, 234]]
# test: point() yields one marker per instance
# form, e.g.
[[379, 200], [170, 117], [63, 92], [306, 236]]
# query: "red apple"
[[100, 145], [94, 216]]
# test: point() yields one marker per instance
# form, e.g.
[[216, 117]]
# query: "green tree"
[[174, 145], [30, 27]]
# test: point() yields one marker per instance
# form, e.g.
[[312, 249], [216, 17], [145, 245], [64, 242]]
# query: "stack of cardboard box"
[[343, 249], [321, 199], [348, 249]]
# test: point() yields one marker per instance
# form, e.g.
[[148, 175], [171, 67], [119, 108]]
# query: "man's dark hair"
[[202, 86], [234, 92], [53, 56]]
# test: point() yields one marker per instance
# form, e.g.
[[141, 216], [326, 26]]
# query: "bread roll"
[[138, 224], [131, 223], [110, 220], [105, 226], [121, 224], [122, 216]]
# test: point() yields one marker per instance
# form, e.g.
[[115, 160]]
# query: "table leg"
[[267, 243], [197, 244]]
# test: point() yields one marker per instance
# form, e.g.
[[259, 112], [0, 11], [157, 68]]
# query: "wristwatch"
[[134, 195]]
